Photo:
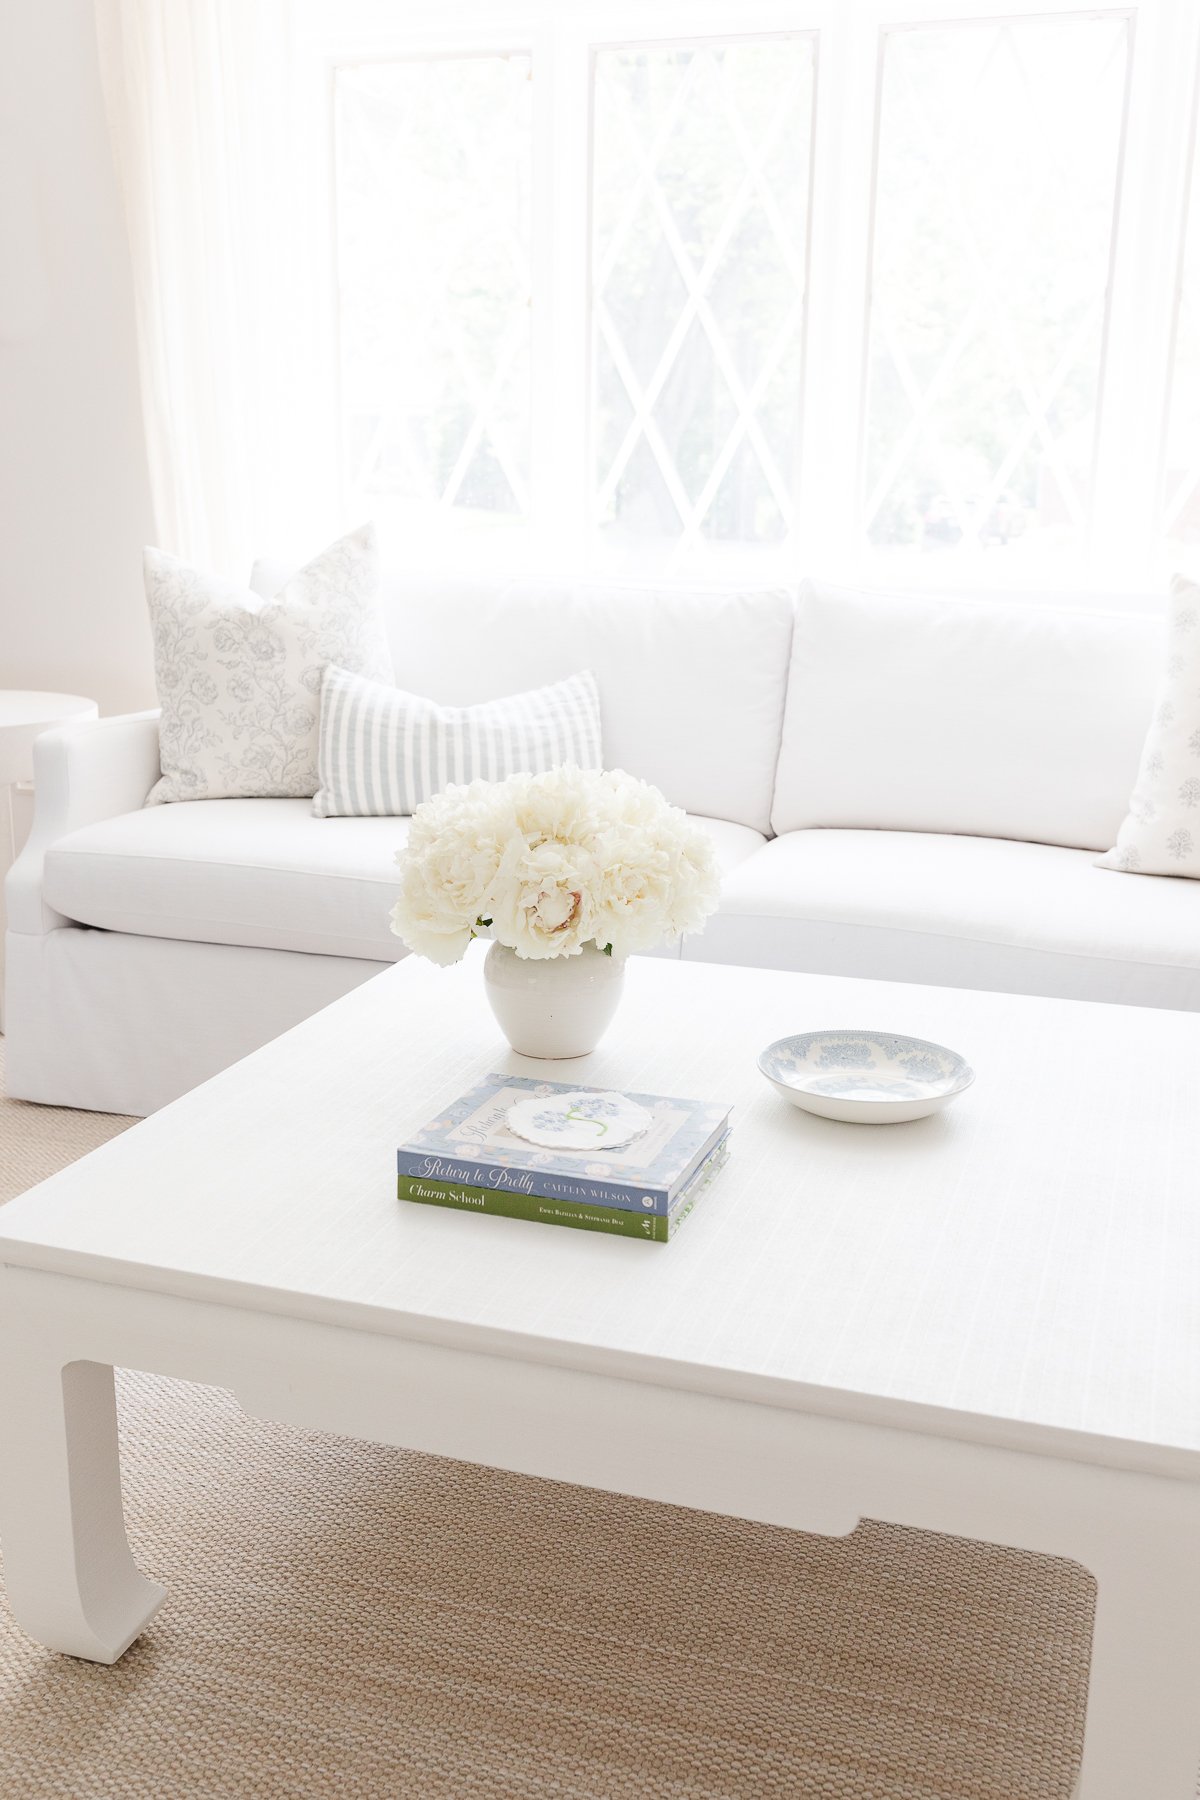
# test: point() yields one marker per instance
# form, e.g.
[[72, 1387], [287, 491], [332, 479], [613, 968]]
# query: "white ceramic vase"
[[554, 1006]]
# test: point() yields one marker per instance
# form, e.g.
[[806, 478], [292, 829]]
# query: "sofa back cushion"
[[691, 682], [990, 717]]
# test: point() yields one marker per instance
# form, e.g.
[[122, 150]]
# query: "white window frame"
[[563, 37]]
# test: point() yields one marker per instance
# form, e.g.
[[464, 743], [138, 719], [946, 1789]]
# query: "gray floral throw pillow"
[[1161, 832], [239, 678]]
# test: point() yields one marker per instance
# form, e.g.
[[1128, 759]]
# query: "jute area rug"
[[353, 1621]]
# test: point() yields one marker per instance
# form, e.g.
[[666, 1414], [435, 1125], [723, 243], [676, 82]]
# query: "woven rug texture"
[[347, 1620]]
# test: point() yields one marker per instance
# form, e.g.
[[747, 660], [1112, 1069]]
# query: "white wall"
[[74, 494]]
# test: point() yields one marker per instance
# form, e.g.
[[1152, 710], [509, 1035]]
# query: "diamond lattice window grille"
[[433, 165], [701, 162], [997, 155]]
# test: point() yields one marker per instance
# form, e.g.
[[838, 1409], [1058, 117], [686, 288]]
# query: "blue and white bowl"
[[867, 1077]]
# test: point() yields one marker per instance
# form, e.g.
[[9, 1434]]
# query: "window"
[[433, 161], [1181, 470], [788, 285], [701, 160], [995, 201]]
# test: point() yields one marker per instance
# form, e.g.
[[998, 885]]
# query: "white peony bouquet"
[[550, 863]]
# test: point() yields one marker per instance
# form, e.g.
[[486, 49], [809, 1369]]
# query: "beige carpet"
[[352, 1621]]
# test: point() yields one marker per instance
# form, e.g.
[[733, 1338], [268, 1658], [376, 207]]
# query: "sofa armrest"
[[81, 773]]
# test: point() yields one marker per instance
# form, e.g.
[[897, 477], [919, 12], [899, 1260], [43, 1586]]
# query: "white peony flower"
[[541, 903], [448, 868], [553, 862]]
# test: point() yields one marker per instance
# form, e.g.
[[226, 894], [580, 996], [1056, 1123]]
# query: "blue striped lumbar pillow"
[[382, 751]]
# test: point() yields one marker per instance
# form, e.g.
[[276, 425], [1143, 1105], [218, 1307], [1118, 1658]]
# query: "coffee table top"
[[1022, 1269]]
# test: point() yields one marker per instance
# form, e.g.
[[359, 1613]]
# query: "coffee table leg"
[[71, 1579], [1142, 1736]]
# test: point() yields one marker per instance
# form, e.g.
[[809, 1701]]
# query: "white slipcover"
[[126, 1024], [691, 683], [148, 948], [920, 713], [255, 872], [960, 912]]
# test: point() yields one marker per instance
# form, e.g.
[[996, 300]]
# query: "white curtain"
[[199, 96]]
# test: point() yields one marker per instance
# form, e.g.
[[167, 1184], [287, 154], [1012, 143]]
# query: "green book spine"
[[652, 1228]]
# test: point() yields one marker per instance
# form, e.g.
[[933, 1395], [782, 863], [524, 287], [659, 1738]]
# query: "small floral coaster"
[[579, 1121]]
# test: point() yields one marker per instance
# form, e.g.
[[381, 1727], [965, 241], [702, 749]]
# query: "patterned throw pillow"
[[1161, 833], [384, 751], [239, 678]]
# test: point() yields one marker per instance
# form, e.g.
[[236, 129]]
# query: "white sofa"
[[902, 787]]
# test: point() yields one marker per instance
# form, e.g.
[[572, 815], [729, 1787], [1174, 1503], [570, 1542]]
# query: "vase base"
[[557, 1009]]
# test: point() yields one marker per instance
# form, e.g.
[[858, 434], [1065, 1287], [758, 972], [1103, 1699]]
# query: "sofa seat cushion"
[[959, 912], [259, 872]]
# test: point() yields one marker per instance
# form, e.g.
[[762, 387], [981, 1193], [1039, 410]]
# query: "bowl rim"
[[966, 1073]]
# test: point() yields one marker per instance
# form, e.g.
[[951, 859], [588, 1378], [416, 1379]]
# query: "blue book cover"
[[620, 1221], [471, 1144]]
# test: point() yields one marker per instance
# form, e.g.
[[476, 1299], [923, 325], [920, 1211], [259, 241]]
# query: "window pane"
[[432, 184], [997, 159], [1181, 484], [700, 201]]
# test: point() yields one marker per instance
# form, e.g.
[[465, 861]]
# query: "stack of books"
[[471, 1159]]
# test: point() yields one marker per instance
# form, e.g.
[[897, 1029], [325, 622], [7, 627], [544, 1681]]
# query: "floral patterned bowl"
[[870, 1077]]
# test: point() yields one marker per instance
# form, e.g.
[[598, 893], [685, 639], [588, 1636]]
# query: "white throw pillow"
[[383, 751], [1161, 833], [239, 678]]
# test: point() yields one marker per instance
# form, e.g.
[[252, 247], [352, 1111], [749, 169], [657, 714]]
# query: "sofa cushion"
[[259, 872], [239, 674], [959, 912], [1161, 833], [691, 682], [921, 713], [383, 752]]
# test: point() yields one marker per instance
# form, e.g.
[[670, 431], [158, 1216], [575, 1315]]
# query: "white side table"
[[24, 715]]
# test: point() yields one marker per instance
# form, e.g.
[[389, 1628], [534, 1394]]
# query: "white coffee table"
[[986, 1323]]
